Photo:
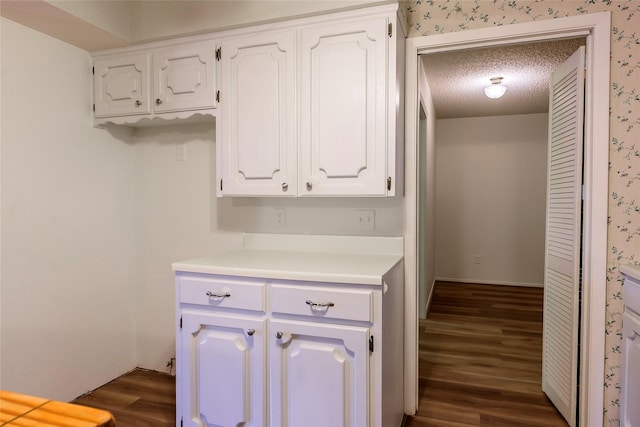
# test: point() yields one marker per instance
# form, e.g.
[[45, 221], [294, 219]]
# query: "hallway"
[[480, 359]]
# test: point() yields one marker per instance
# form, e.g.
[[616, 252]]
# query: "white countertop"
[[631, 270], [331, 259]]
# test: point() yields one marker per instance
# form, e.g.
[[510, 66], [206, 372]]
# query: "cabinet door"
[[630, 411], [223, 371], [343, 109], [184, 78], [258, 147], [121, 85], [318, 375]]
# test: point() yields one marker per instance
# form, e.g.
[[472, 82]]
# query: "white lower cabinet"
[[319, 374], [630, 370], [283, 353], [224, 357]]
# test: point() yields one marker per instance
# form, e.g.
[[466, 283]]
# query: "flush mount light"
[[496, 89]]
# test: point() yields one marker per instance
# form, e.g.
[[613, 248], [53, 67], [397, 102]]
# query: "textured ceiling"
[[457, 79]]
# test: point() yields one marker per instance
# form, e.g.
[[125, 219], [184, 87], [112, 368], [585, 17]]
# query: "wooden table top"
[[21, 410]]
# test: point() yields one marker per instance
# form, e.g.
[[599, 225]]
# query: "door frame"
[[597, 30]]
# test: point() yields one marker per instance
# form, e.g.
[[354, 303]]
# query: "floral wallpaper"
[[427, 17]]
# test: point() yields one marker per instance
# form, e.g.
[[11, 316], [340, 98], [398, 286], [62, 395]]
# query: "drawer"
[[319, 302], [222, 293]]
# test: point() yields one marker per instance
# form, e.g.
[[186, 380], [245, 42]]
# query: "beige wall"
[[68, 262], [490, 199], [176, 219]]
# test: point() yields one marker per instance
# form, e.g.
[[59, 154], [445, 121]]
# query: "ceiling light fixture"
[[496, 89]]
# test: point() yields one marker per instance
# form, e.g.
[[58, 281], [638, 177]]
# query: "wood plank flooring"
[[139, 398], [480, 355], [480, 365]]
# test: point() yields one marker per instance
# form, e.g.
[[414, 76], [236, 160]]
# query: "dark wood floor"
[[480, 352], [480, 365], [139, 398]]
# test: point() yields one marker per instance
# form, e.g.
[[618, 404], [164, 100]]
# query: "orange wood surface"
[[20, 410]]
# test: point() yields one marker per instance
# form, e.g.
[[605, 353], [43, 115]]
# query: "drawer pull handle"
[[250, 332], [212, 295], [319, 304], [279, 334]]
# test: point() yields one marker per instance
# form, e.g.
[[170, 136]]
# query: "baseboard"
[[430, 296], [491, 282]]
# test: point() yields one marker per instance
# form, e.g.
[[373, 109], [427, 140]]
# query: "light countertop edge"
[[364, 269]]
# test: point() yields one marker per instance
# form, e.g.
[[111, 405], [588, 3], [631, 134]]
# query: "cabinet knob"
[[285, 186], [158, 101], [309, 186], [250, 332], [279, 334], [138, 103]]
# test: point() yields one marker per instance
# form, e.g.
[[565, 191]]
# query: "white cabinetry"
[[257, 74], [221, 376], [338, 79], [257, 347], [630, 384], [121, 85], [343, 111], [319, 375], [320, 355], [152, 83]]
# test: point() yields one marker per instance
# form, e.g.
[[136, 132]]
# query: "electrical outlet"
[[365, 219], [280, 217], [476, 259], [181, 152]]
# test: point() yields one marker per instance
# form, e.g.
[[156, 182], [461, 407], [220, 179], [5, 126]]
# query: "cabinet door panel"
[[258, 115], [343, 109], [121, 85], [319, 375], [184, 78], [223, 371], [630, 411]]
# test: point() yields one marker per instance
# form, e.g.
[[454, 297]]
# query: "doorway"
[[596, 29], [491, 185]]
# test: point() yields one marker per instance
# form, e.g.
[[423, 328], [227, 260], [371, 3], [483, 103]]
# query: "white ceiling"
[[457, 79]]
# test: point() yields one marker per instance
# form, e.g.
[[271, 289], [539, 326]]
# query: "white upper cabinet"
[[258, 101], [184, 78], [150, 84], [121, 85], [313, 110], [343, 81], [303, 108]]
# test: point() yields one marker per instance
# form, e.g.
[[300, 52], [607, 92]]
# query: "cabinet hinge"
[[390, 29], [180, 322], [389, 183], [218, 53], [371, 343], [218, 96]]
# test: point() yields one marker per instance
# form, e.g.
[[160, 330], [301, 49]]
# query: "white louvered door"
[[563, 228]]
